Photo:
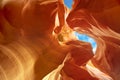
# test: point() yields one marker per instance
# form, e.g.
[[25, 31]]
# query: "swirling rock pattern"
[[36, 41]]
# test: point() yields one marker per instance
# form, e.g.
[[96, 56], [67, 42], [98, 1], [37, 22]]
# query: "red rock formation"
[[30, 51], [101, 20]]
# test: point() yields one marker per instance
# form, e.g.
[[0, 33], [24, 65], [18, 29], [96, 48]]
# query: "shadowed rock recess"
[[37, 40]]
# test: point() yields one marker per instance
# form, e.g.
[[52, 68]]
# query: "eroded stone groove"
[[37, 41]]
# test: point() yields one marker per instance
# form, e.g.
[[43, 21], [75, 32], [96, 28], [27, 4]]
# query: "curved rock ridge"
[[37, 40]]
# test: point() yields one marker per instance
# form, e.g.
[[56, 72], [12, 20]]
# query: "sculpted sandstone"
[[36, 40]]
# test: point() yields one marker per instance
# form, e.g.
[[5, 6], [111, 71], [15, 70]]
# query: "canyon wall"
[[37, 40]]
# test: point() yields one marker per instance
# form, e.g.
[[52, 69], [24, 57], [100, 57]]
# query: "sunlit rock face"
[[100, 20], [37, 40]]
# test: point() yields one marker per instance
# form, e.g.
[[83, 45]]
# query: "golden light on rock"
[[37, 40]]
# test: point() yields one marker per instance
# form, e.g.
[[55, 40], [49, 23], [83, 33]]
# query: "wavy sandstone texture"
[[37, 41]]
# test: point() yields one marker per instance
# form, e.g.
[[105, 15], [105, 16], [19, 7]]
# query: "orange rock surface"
[[37, 41]]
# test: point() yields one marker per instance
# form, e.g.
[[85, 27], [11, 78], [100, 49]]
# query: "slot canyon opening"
[[68, 3], [31, 31], [86, 38], [79, 36]]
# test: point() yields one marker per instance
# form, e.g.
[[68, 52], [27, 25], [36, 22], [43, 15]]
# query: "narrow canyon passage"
[[59, 40]]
